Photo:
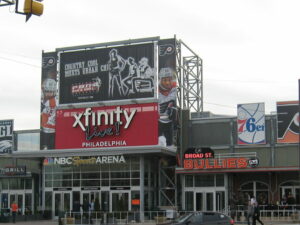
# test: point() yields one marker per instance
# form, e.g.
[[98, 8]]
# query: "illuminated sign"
[[78, 161], [198, 153], [108, 126], [225, 163]]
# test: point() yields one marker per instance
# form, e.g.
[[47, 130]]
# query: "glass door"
[[220, 200], [4, 201], [18, 198], [199, 201], [209, 198], [204, 201], [120, 201], [291, 192], [62, 203], [297, 195]]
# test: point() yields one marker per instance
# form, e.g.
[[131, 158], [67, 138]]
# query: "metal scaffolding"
[[189, 72], [190, 79]]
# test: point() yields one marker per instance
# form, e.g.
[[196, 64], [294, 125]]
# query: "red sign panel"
[[109, 126]]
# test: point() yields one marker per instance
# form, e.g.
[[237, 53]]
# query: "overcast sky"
[[250, 48]]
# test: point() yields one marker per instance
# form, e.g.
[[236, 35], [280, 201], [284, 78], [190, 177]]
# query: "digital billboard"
[[48, 100], [288, 122], [107, 127], [106, 74], [251, 124], [6, 136]]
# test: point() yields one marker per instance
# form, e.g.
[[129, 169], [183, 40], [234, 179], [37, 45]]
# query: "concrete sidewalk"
[[35, 222], [55, 222]]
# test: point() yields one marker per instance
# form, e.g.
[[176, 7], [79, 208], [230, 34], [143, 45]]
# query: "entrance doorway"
[[120, 201], [24, 201], [291, 191], [204, 201], [89, 196], [18, 198], [62, 202]]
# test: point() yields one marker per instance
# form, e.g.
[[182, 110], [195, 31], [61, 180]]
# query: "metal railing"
[[267, 213], [274, 213]]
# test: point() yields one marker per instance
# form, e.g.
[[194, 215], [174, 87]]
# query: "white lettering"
[[128, 119], [110, 118]]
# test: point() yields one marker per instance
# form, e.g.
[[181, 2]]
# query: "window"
[[28, 141], [205, 180], [258, 189], [189, 181], [189, 201]]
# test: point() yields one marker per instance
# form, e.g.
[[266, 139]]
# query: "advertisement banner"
[[288, 122], [109, 126], [167, 93], [251, 124], [6, 136], [106, 74], [48, 100]]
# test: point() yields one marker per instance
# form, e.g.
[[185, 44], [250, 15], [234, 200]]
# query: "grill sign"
[[13, 171]]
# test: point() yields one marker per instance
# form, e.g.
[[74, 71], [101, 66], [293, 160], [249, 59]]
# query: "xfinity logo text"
[[109, 118]]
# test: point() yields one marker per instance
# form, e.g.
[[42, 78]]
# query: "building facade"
[[268, 171]]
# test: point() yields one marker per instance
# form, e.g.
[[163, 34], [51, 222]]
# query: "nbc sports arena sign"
[[107, 127], [251, 124], [79, 161]]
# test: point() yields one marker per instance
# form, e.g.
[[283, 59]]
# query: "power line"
[[20, 62]]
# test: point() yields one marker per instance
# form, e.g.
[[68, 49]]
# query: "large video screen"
[[106, 74]]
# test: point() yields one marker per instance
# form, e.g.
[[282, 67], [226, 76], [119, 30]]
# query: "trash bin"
[[4, 215]]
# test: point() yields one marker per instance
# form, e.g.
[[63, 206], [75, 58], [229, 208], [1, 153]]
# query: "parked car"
[[203, 218]]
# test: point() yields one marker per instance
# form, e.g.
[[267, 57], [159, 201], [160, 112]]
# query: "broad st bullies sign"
[[110, 126], [220, 163]]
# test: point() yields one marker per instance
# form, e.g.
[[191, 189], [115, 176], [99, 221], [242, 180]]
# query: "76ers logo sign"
[[251, 124]]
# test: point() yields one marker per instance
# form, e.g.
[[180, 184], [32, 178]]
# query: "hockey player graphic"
[[48, 111], [116, 65], [167, 105]]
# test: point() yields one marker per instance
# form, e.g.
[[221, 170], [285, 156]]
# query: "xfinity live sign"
[[77, 161], [107, 126], [112, 119]]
